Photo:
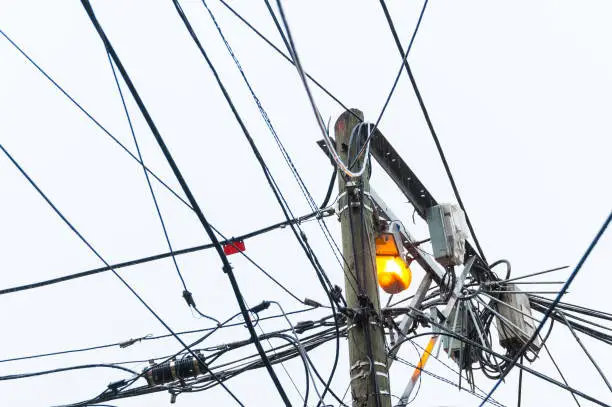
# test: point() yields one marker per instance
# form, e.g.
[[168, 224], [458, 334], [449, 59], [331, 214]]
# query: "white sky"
[[520, 94]]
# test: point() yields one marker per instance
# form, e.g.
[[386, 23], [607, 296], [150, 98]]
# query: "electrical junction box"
[[517, 325], [460, 323], [448, 231]]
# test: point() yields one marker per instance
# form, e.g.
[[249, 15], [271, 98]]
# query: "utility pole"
[[368, 362]]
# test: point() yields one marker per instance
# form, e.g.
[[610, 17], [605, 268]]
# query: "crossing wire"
[[227, 268], [286, 156], [301, 237], [430, 125], [142, 301], [186, 293], [552, 305]]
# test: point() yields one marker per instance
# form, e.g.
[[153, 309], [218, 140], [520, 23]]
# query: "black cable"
[[550, 309], [97, 123], [302, 185], [154, 257], [506, 358], [269, 178], [330, 189], [186, 293], [311, 342], [287, 58], [324, 280], [430, 125], [445, 380], [226, 265], [64, 369], [114, 139], [397, 78], [67, 222]]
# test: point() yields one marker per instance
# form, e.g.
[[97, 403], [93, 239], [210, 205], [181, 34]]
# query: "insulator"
[[174, 370]]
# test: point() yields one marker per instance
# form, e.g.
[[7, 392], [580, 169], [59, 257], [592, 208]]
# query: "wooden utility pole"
[[368, 361]]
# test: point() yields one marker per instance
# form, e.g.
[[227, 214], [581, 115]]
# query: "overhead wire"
[[90, 116], [186, 293], [286, 156], [362, 150], [534, 372], [430, 125], [130, 342], [227, 268], [125, 283], [301, 237], [551, 308], [160, 256], [64, 369], [601, 373], [281, 53]]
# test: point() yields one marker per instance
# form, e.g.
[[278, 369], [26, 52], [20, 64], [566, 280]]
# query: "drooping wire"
[[125, 283], [186, 293]]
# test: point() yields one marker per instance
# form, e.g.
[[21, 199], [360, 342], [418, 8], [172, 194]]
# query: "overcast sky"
[[520, 94]]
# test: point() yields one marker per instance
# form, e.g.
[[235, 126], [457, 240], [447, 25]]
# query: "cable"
[[430, 125], [601, 373], [144, 338], [320, 122], [397, 77], [559, 371], [67, 222], [186, 293], [303, 188], [301, 237], [554, 303], [264, 114], [445, 380], [97, 123], [154, 257], [63, 369], [506, 358], [281, 53]]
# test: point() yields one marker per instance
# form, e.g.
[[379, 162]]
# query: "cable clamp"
[[130, 342]]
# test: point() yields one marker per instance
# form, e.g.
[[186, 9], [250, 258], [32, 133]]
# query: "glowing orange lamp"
[[394, 275]]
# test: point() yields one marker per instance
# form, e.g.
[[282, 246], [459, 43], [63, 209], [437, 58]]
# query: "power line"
[[554, 304], [186, 293], [281, 53], [90, 116], [67, 222], [147, 259], [129, 342], [301, 237], [64, 369], [227, 268], [430, 125]]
